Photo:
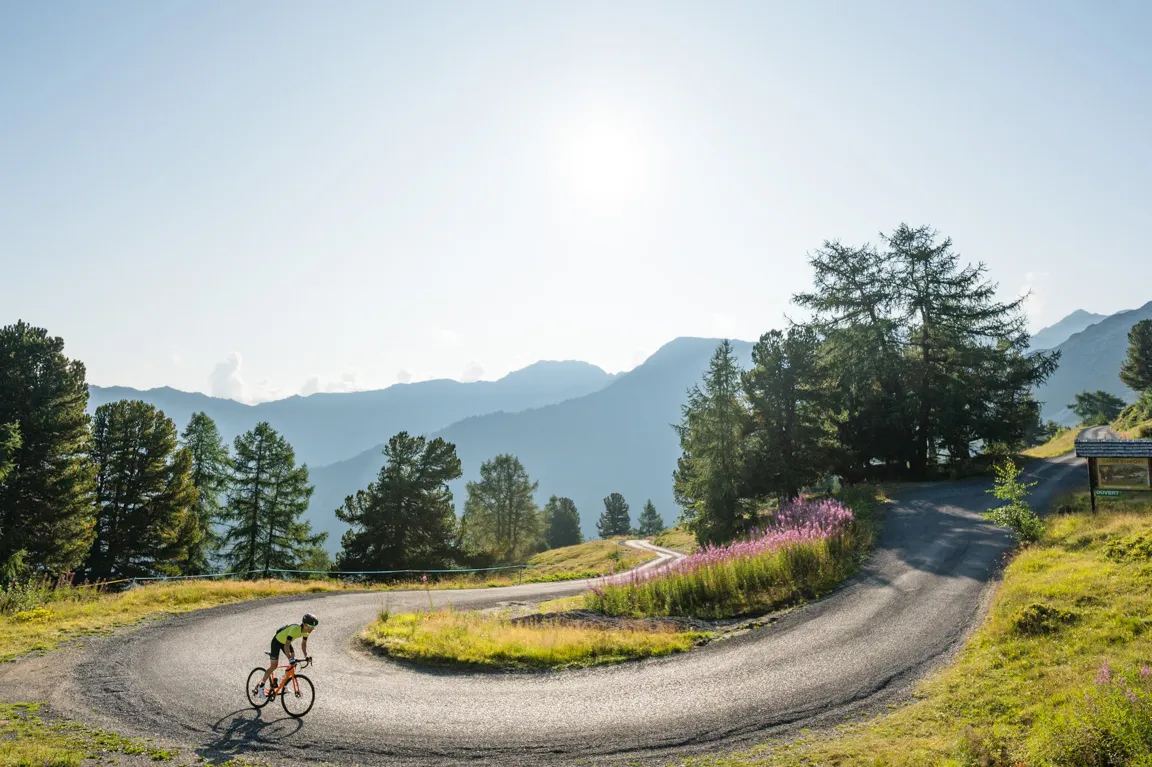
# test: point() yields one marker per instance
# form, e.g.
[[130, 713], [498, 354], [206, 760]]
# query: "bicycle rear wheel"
[[254, 677], [298, 696]]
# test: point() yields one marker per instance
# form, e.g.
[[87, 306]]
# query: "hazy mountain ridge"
[[328, 427], [1054, 335], [1089, 361], [617, 439]]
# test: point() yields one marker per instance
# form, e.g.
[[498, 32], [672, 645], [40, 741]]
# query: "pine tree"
[[500, 517], [615, 519], [47, 509], [707, 479], [791, 440], [562, 523], [144, 494], [650, 522], [210, 476], [405, 519], [267, 496], [1097, 408], [1136, 372]]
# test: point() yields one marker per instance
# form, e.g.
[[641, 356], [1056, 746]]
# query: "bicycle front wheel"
[[298, 696], [253, 678]]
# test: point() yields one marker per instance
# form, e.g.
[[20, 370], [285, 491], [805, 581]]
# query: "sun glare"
[[605, 161]]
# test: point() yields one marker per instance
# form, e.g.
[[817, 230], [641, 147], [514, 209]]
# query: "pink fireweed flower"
[[1104, 675], [1145, 672], [425, 579], [803, 522]]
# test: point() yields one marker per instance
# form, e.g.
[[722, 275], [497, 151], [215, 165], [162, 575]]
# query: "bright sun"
[[605, 161]]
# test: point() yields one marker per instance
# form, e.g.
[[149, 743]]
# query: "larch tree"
[[211, 467], [500, 518], [650, 522], [267, 497]]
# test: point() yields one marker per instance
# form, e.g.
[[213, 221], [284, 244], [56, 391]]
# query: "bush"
[[1015, 514], [1037, 619], [1133, 548]]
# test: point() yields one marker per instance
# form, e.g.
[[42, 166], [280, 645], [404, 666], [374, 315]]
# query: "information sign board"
[[1123, 474]]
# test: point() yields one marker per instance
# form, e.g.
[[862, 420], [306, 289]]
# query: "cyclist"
[[282, 640]]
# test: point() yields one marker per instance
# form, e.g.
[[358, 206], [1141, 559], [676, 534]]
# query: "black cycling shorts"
[[277, 646]]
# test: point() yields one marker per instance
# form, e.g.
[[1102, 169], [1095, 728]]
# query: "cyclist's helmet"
[[310, 619]]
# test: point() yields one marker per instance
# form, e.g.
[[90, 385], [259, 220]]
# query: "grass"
[[587, 560], [1022, 692], [677, 539], [76, 612], [1063, 442], [775, 571], [28, 737], [474, 640]]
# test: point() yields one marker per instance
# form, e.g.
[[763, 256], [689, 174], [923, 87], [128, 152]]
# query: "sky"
[[263, 199]]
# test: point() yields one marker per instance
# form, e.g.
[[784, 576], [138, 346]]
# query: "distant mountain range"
[[618, 439], [1054, 335], [1090, 360], [325, 428], [578, 430]]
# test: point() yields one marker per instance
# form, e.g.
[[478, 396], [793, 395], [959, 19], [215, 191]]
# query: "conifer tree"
[[47, 508], [405, 519], [1136, 372], [966, 351], [144, 494], [267, 496], [650, 521], [9, 444], [562, 523], [708, 475], [1097, 408], [615, 519], [791, 440], [210, 475], [500, 517]]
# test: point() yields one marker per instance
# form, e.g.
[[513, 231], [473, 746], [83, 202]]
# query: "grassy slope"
[[82, 612], [677, 539], [470, 639], [1064, 442], [587, 560], [996, 703]]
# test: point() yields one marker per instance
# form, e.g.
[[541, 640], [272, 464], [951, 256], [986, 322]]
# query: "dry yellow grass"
[[453, 638], [1064, 442], [587, 559], [84, 613], [677, 539]]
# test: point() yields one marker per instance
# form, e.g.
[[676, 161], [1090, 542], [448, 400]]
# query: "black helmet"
[[310, 619]]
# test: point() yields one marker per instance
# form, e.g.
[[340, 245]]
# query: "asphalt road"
[[854, 651]]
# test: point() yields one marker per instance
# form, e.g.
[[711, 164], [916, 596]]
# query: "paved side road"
[[853, 651]]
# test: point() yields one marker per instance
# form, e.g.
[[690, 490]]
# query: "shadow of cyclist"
[[248, 730]]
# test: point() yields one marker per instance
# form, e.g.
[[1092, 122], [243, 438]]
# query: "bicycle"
[[302, 692]]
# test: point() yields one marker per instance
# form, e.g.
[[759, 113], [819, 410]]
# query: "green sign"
[[1107, 492]]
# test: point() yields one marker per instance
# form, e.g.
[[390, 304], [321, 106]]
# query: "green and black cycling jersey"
[[283, 636]]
